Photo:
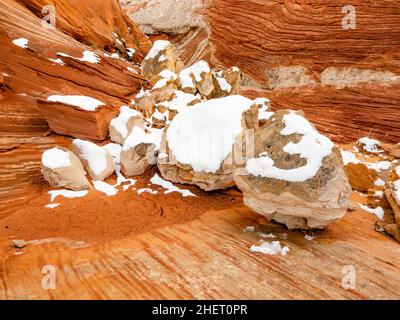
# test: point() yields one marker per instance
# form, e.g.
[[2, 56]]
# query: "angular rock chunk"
[[197, 77], [122, 126], [295, 176], [162, 56], [145, 103], [164, 87], [96, 160], [196, 147], [226, 82], [140, 151], [62, 168]]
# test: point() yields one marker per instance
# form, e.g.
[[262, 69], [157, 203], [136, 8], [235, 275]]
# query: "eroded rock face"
[[96, 160], [296, 177], [62, 168], [197, 77], [196, 147]]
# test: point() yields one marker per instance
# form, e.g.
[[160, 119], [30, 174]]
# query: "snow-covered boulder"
[[196, 146], [162, 56], [139, 151], [96, 160], [197, 77], [62, 168], [226, 82], [164, 87], [122, 126], [370, 145], [145, 103], [295, 175]]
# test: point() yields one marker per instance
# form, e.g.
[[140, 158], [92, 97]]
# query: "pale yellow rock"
[[312, 203], [139, 152], [165, 59], [71, 177]]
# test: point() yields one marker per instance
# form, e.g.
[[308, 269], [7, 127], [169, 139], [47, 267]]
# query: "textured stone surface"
[[299, 53], [71, 177], [28, 76], [312, 203]]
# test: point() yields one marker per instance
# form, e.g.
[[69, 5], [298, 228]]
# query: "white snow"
[[58, 60], [120, 123], [202, 135], [379, 166], [185, 76], [180, 101], [106, 188], [67, 194], [309, 238], [266, 235], [130, 52], [157, 180], [270, 248], [370, 145], [158, 46], [378, 211], [94, 154], [249, 229], [166, 76], [56, 158], [52, 205], [378, 194], [313, 147], [140, 191], [82, 102], [115, 151], [379, 182], [223, 84], [349, 157], [115, 56], [140, 135], [88, 56], [133, 70], [21, 42]]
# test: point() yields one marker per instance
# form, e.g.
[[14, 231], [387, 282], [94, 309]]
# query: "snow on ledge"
[[82, 102], [21, 42], [313, 147], [88, 56], [158, 46]]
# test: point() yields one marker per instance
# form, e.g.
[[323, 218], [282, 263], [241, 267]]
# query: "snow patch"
[[88, 56], [202, 135], [313, 147], [21, 42], [106, 188], [370, 145], [56, 158], [185, 76], [378, 211], [82, 102], [157, 47], [67, 194], [270, 248], [52, 205], [157, 180], [120, 123], [140, 191]]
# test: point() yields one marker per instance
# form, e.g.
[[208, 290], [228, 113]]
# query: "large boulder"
[[122, 126], [96, 160], [295, 175], [196, 147], [139, 151], [62, 168]]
